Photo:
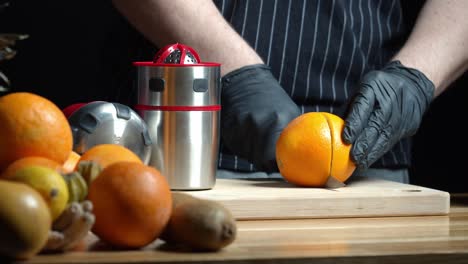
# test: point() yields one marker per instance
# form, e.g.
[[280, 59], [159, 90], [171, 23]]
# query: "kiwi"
[[199, 224], [25, 220]]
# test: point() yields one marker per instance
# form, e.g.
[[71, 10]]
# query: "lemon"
[[49, 183]]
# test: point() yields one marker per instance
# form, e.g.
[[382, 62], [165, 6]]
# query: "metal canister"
[[179, 99]]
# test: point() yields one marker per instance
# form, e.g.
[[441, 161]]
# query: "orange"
[[310, 150], [132, 203], [106, 154], [71, 162], [31, 125], [29, 161]]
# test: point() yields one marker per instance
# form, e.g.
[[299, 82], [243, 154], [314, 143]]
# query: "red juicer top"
[[176, 55]]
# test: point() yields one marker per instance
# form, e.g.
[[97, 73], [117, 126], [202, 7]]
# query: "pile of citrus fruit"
[[132, 202], [35, 143]]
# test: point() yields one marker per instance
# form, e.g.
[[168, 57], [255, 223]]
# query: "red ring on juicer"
[[182, 108]]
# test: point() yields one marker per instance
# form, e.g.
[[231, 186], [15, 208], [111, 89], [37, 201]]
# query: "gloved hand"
[[389, 106], [255, 109]]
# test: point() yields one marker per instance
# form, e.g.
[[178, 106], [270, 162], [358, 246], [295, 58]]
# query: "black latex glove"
[[389, 106], [255, 109]]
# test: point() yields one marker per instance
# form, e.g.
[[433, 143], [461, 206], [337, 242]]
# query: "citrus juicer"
[[179, 99]]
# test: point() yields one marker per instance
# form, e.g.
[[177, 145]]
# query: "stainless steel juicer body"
[[180, 104]]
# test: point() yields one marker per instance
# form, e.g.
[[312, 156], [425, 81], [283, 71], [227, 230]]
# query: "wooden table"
[[421, 239]]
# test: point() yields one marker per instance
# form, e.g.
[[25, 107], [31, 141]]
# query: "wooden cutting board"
[[361, 197]]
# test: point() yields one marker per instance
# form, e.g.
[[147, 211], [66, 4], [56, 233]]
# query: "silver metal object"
[[110, 123], [180, 103]]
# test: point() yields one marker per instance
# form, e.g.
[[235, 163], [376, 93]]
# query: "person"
[[355, 58]]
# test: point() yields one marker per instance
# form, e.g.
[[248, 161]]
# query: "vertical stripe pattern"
[[318, 50]]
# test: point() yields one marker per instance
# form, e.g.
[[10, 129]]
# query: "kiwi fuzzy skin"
[[199, 224]]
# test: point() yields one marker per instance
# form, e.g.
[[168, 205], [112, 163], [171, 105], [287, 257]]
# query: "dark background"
[[79, 51]]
